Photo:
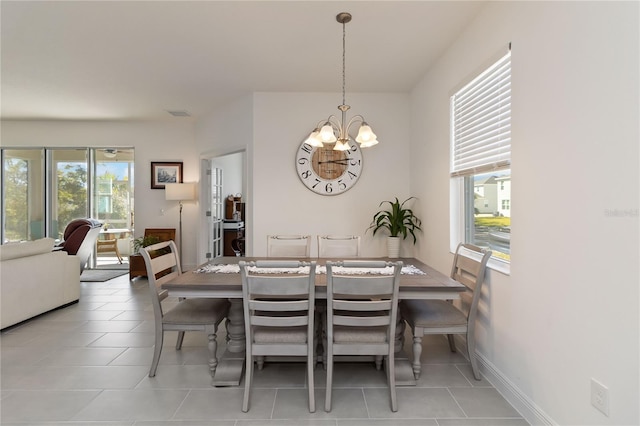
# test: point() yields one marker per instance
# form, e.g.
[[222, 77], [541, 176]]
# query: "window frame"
[[459, 195]]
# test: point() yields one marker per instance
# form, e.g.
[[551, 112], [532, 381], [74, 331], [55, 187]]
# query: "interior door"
[[215, 212]]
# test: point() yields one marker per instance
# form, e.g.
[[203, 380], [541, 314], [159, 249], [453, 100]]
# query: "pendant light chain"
[[335, 131], [344, 49]]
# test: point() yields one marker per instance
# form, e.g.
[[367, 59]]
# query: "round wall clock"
[[326, 171]]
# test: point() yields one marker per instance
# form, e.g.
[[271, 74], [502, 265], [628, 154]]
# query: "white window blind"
[[481, 127]]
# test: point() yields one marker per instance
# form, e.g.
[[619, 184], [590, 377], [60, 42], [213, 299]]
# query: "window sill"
[[499, 266]]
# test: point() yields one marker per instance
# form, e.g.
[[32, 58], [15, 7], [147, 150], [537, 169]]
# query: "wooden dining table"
[[429, 284]]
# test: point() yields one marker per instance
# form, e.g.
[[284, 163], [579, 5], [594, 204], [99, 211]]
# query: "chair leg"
[[324, 342], [117, 252], [471, 351], [311, 362], [378, 361], [452, 343], [179, 341], [213, 347], [329, 366], [391, 379], [319, 345], [260, 362], [157, 350], [417, 353], [248, 377], [324, 353]]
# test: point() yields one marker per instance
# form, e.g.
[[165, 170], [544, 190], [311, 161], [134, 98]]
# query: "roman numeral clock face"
[[329, 172]]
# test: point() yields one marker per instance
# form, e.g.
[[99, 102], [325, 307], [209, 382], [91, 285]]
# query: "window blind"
[[481, 127]]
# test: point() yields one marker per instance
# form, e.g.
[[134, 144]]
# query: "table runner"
[[234, 268]]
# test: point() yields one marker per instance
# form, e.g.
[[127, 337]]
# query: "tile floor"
[[87, 364]]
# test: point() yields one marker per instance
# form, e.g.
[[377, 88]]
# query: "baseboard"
[[528, 409]]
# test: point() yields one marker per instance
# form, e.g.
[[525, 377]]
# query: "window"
[[481, 161]]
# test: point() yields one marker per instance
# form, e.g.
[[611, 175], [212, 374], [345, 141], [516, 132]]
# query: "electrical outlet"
[[161, 212], [600, 396]]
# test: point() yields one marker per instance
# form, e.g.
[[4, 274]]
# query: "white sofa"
[[34, 280]]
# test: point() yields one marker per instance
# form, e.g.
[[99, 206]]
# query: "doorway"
[[222, 178]]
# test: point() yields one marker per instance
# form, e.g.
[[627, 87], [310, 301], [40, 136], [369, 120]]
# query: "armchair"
[[79, 239]]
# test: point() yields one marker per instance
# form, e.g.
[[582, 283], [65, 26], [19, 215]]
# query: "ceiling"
[[113, 60]]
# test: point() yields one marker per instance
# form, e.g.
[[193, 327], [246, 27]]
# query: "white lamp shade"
[[327, 135], [365, 134], [180, 191], [314, 139], [341, 145]]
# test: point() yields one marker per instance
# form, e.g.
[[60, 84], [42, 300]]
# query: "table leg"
[[403, 367], [231, 365]]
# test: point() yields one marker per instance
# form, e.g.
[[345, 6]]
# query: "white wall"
[[568, 312], [153, 141]]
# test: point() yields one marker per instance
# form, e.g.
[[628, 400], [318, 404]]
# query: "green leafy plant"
[[147, 240], [398, 220]]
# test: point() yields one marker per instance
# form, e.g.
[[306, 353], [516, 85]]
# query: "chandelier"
[[333, 131]]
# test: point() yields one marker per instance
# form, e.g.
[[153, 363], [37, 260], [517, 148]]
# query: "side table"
[[137, 267]]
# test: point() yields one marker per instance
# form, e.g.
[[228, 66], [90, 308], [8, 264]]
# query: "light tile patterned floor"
[[88, 364]]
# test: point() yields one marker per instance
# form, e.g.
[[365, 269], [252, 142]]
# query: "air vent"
[[179, 113]]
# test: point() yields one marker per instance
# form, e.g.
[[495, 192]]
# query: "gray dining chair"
[[278, 315], [288, 246], [338, 246], [443, 316], [163, 264], [362, 304], [333, 247]]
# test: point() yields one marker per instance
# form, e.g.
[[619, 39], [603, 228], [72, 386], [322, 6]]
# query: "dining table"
[[220, 278]]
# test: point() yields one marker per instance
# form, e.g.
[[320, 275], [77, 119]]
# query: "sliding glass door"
[[23, 206], [43, 189], [113, 190], [68, 188]]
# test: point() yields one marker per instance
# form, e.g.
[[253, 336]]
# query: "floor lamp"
[[180, 192]]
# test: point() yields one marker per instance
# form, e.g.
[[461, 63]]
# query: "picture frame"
[[165, 172]]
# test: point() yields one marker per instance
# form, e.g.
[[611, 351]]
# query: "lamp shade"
[[180, 191]]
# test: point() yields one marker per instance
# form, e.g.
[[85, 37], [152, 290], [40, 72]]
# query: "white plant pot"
[[393, 247]]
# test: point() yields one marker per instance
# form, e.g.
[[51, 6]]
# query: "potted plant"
[[147, 240], [399, 221]]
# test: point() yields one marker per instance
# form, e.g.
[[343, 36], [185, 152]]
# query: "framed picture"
[[163, 173]]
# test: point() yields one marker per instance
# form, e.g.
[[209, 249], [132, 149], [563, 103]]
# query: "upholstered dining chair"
[[278, 315], [362, 305], [163, 264], [444, 317], [338, 246], [288, 245]]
